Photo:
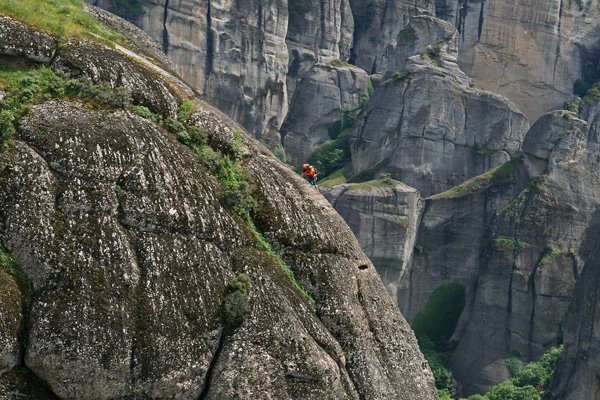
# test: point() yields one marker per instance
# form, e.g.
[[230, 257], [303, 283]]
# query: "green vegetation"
[[591, 76], [331, 155], [480, 149], [404, 76], [513, 362], [27, 87], [434, 327], [529, 383], [63, 18], [497, 176], [502, 242], [433, 54], [335, 178], [340, 63], [385, 180], [547, 254], [185, 110], [406, 35], [369, 174], [236, 306], [9, 264]]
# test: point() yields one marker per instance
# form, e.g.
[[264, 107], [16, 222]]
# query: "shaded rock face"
[[385, 221], [434, 143], [378, 23], [11, 309], [516, 245], [527, 52], [577, 372], [123, 233], [321, 99]]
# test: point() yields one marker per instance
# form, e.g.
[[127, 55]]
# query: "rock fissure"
[[165, 32]]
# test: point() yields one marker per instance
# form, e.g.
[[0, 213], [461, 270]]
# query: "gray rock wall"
[[435, 142], [322, 96]]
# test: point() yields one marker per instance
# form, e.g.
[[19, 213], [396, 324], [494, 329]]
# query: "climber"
[[311, 174]]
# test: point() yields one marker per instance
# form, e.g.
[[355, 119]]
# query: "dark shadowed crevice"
[[480, 27], [210, 45], [165, 36], [211, 367]]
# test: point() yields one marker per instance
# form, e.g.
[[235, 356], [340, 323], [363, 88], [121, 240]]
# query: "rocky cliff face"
[[577, 373], [526, 51], [435, 142], [384, 220], [126, 238], [503, 236], [321, 98]]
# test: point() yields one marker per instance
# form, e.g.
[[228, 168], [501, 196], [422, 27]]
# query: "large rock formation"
[[378, 23], [435, 142], [503, 236], [384, 218], [321, 98], [130, 248], [526, 51], [577, 372]]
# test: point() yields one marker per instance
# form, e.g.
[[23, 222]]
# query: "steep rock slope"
[[530, 52], [434, 143], [124, 235]]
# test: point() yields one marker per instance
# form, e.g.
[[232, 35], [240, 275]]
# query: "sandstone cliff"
[[131, 247]]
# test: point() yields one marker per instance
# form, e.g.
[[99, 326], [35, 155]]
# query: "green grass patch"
[[369, 174], [335, 178], [433, 54], [26, 87], [480, 149], [62, 18], [384, 180], [497, 176], [340, 63], [405, 76], [549, 251], [502, 243]]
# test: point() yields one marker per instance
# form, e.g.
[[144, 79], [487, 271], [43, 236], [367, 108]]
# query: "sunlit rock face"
[[530, 52]]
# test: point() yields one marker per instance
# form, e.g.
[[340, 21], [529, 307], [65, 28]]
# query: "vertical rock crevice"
[[165, 33]]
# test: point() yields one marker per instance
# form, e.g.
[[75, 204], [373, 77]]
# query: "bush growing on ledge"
[[236, 306]]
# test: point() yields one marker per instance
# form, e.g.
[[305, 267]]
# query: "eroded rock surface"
[[435, 142], [123, 233], [321, 98]]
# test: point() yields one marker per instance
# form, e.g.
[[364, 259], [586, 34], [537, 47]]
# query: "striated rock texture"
[[321, 98], [435, 142], [530, 52], [421, 31], [243, 55], [378, 23], [513, 237], [126, 239], [384, 220]]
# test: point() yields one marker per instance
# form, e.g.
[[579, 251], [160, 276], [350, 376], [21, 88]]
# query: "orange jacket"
[[309, 172]]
